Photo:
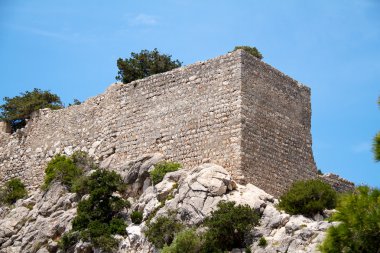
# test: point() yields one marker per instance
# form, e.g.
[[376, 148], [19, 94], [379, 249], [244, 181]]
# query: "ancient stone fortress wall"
[[233, 110]]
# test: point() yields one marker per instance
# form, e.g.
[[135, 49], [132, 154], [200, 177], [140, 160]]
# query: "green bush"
[[263, 242], [98, 216], [228, 226], [13, 190], [136, 217], [82, 160], [252, 50], [308, 198], [163, 231], [160, 169], [359, 230], [185, 241], [68, 241], [143, 64], [62, 169]]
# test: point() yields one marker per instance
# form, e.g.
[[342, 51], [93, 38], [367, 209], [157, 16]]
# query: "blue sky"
[[70, 47]]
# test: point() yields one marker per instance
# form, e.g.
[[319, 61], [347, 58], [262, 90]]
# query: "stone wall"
[[234, 110], [338, 183], [190, 114], [276, 139]]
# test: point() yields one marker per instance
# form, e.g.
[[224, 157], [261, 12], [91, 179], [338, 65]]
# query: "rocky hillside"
[[37, 223]]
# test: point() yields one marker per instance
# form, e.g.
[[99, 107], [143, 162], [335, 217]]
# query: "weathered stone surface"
[[234, 110]]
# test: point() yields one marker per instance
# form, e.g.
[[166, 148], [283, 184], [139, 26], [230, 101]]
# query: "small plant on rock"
[[308, 198], [263, 242], [62, 169], [185, 241], [13, 190], [228, 226], [160, 169], [162, 231], [136, 217]]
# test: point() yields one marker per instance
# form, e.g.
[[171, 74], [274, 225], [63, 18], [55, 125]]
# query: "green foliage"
[[98, 216], [228, 226], [252, 50], [163, 231], [263, 242], [82, 160], [359, 214], [376, 147], [185, 241], [19, 108], [136, 217], [13, 190], [160, 169], [62, 169], [144, 64], [308, 198], [68, 241]]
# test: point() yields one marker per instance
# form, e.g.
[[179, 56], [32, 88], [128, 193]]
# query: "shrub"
[[263, 242], [228, 226], [18, 109], [82, 160], [98, 216], [359, 214], [252, 50], [185, 241], [136, 217], [13, 190], [160, 169], [144, 64], [63, 169], [68, 241], [163, 231], [308, 198]]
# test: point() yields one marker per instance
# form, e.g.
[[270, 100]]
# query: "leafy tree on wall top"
[[19, 108], [251, 50], [144, 64]]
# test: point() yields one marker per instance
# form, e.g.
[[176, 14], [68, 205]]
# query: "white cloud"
[[144, 19]]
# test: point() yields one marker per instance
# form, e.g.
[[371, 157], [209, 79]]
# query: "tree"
[[18, 109], [252, 50], [359, 227], [376, 143], [144, 64]]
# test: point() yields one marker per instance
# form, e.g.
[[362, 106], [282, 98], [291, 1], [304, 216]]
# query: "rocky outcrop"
[[35, 224]]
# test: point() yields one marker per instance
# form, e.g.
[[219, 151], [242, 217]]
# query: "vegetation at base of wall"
[[62, 169], [144, 64], [308, 198], [163, 230], [185, 241], [136, 217], [228, 226], [12, 190], [18, 109], [160, 169], [251, 50], [99, 215], [359, 214], [263, 242]]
